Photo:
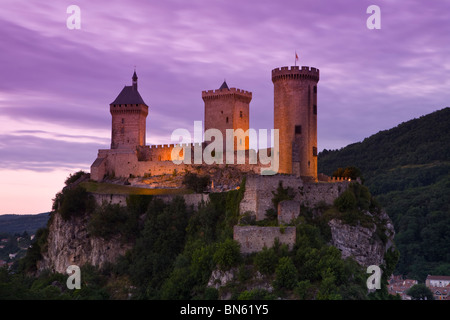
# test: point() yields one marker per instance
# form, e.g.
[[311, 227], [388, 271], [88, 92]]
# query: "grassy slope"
[[110, 188]]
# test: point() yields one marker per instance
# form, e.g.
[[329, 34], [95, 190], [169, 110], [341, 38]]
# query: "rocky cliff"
[[366, 245], [69, 243], [364, 235], [367, 238]]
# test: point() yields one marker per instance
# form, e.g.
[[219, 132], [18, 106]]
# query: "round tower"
[[295, 116]]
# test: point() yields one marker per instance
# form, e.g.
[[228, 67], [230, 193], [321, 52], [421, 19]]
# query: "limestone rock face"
[[362, 243], [69, 243], [220, 278]]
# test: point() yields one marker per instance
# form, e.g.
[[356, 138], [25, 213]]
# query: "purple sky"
[[57, 83]]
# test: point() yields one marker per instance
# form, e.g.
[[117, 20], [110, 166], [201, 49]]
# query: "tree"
[[266, 261], [286, 274], [74, 177], [328, 289], [74, 202], [228, 254], [346, 201], [420, 292]]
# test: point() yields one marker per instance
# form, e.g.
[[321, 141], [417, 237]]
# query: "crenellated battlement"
[[171, 146], [130, 108], [214, 94], [295, 72]]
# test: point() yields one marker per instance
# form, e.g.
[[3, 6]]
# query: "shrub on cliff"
[[108, 220], [74, 202], [227, 255], [74, 177], [346, 201], [34, 252], [196, 183]]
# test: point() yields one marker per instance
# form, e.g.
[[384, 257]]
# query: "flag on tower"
[[296, 57]]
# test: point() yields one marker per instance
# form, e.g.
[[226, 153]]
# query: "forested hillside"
[[19, 223], [407, 168]]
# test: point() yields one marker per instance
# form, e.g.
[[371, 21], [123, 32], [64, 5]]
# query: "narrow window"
[[298, 129], [240, 114], [227, 119], [314, 109], [315, 151], [315, 89], [123, 120]]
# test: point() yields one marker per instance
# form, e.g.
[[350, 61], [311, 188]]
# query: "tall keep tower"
[[227, 108], [129, 113], [295, 115]]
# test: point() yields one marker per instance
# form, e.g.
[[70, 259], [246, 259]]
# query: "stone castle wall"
[[121, 199], [259, 192], [254, 238], [158, 160]]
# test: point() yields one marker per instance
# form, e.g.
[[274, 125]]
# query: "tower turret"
[[134, 78], [295, 116], [129, 113]]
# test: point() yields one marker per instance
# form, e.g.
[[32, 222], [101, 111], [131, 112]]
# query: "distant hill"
[[18, 223], [407, 168]]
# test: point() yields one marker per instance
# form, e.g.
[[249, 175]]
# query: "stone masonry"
[[288, 210], [295, 116], [254, 238]]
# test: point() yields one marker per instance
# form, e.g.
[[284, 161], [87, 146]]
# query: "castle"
[[228, 109], [225, 109]]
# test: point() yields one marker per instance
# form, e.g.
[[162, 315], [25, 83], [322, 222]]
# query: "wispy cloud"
[[370, 79]]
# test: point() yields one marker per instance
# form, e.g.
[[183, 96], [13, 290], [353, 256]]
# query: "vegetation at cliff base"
[[407, 169], [177, 249]]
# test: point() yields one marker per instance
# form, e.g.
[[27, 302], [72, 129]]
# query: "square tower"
[[129, 114], [227, 108]]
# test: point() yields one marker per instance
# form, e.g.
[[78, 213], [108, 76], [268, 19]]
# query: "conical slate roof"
[[129, 96], [224, 86]]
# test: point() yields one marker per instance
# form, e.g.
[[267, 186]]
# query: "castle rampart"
[[121, 199], [254, 238], [259, 191]]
